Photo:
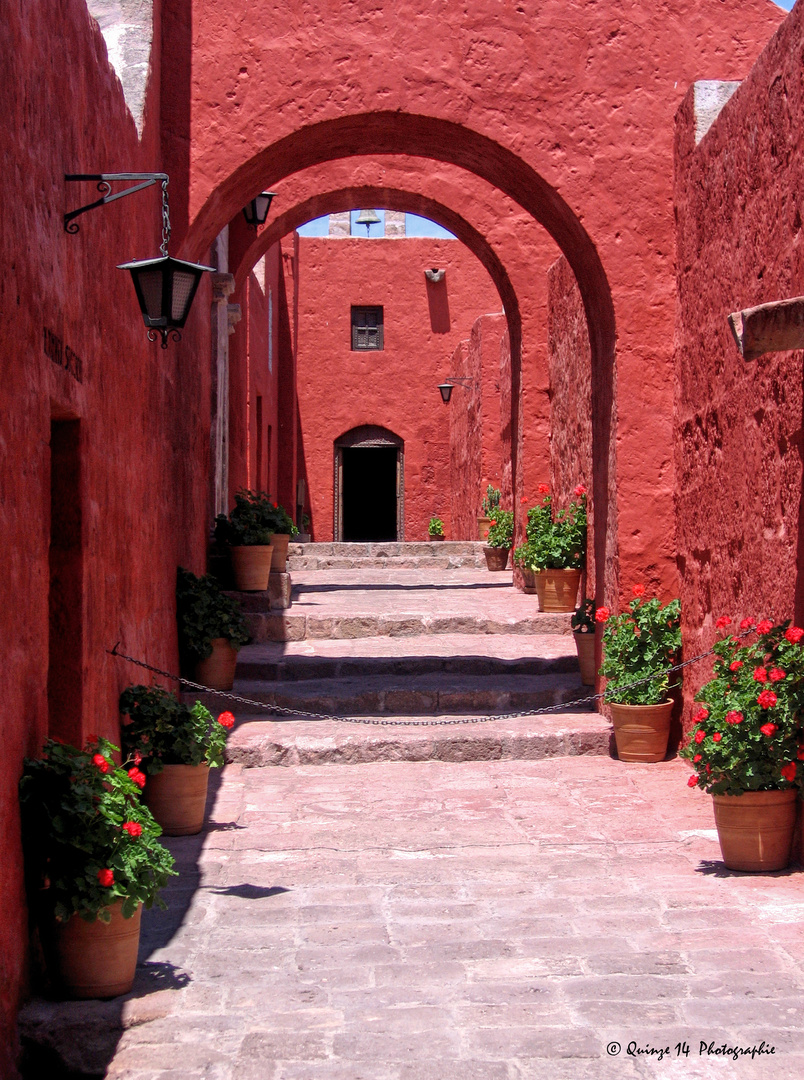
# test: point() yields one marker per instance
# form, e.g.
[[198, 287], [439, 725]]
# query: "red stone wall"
[[739, 425], [339, 389], [131, 498], [570, 399]]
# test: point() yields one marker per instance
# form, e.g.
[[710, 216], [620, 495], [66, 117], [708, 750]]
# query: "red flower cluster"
[[133, 828], [700, 715], [693, 781], [734, 717], [227, 719], [137, 757], [717, 737], [789, 772], [580, 490], [735, 665], [700, 736], [794, 634], [137, 776], [768, 729], [602, 614], [746, 624], [767, 699], [760, 674], [544, 489], [106, 878], [764, 627], [101, 762], [800, 754], [638, 590], [697, 758], [776, 674], [723, 621]]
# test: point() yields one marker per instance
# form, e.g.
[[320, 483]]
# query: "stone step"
[[452, 654], [298, 625], [412, 694], [443, 555], [256, 743]]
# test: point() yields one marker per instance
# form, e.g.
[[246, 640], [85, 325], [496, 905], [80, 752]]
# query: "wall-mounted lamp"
[[445, 388], [256, 211], [165, 287], [368, 218], [434, 275]]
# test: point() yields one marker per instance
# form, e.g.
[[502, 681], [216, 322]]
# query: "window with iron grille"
[[367, 328]]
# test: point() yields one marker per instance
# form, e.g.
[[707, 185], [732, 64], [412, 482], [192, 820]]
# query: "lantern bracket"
[[104, 182]]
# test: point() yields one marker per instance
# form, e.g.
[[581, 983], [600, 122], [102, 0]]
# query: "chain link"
[[165, 218], [299, 714]]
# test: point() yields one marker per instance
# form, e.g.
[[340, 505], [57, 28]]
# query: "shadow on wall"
[[438, 300]]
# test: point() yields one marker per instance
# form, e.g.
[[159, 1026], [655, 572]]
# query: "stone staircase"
[[391, 659], [433, 555]]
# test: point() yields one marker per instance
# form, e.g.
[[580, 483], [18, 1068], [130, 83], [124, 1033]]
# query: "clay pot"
[[217, 671], [97, 959], [585, 645], [177, 798], [279, 559], [641, 731], [755, 829], [557, 589], [433, 536], [528, 581], [496, 558], [483, 527], [252, 565]]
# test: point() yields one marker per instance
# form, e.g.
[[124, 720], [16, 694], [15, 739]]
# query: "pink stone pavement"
[[501, 920]]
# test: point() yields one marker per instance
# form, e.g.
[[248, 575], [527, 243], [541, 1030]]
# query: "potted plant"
[[583, 631], [499, 539], [639, 645], [176, 745], [554, 550], [282, 529], [247, 530], [489, 505], [92, 859], [747, 742], [211, 629], [435, 530]]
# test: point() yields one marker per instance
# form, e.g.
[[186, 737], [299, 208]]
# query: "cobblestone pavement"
[[477, 921]]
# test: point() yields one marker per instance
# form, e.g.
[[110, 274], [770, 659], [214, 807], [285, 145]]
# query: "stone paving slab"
[[440, 555], [506, 920]]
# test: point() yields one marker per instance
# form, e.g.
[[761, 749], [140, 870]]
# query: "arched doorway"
[[369, 486]]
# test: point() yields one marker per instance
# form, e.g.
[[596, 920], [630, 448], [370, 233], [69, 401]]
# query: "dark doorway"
[[369, 493]]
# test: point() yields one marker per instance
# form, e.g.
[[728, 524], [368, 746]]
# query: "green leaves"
[[204, 613], [253, 519], [436, 527], [490, 501], [641, 643], [501, 532], [554, 541], [164, 731]]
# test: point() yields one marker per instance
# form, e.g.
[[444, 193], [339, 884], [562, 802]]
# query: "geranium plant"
[[204, 613], [501, 529], [89, 840], [254, 518], [436, 527], [748, 734], [583, 620], [640, 644], [555, 539], [160, 730]]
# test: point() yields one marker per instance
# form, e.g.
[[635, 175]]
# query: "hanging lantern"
[[256, 211], [165, 288]]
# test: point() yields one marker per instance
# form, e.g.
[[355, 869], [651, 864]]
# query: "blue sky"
[[786, 4]]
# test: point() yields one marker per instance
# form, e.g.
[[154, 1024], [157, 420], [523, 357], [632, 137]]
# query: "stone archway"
[[383, 461]]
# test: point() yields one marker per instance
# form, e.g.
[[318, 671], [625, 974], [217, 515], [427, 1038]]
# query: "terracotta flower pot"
[[557, 589], [585, 645], [279, 559], [528, 581], [217, 671], [755, 829], [97, 959], [177, 798], [433, 536], [483, 527], [641, 731], [252, 566], [496, 557]]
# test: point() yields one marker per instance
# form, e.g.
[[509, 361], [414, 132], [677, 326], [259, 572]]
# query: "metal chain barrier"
[[299, 714]]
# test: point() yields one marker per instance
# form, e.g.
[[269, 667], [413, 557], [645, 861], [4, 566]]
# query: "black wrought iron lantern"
[[445, 388], [165, 288], [446, 391], [256, 211]]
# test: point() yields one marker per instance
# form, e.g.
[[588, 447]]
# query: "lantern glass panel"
[[183, 285], [151, 288]]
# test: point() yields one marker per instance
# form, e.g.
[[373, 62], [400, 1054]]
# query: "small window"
[[367, 328]]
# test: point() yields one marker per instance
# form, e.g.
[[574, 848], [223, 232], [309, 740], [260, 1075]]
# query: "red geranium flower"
[[101, 762], [760, 674], [724, 620], [764, 627], [638, 590], [700, 736], [800, 754], [106, 878], [580, 490], [524, 499], [602, 614], [227, 719], [768, 729], [697, 758], [794, 634], [746, 624], [734, 717], [789, 771], [133, 828], [137, 757], [776, 674], [137, 776], [767, 699], [700, 715], [717, 737], [544, 489], [735, 665], [693, 781]]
